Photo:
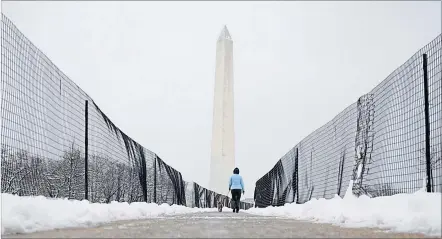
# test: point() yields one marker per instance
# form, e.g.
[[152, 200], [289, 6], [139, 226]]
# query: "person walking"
[[236, 185]]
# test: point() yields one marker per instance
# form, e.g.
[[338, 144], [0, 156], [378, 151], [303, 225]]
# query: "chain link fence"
[[388, 142], [56, 142]]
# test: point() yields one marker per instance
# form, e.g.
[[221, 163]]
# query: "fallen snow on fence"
[[419, 212], [30, 214]]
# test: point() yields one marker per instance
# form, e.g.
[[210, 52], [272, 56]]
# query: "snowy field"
[[31, 214], [419, 212]]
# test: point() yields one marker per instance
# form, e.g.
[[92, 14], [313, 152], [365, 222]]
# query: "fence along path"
[[388, 142], [56, 142]]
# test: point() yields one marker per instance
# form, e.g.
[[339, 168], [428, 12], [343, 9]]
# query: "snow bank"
[[30, 214], [419, 212]]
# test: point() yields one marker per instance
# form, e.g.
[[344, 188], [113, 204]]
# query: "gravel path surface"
[[215, 225]]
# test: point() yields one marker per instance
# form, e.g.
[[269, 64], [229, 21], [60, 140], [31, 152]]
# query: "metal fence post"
[[155, 180], [86, 191], [341, 172], [427, 125], [296, 179]]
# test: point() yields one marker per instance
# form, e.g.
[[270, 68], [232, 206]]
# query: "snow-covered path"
[[215, 225], [403, 214]]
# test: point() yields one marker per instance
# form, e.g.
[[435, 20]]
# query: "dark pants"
[[236, 197]]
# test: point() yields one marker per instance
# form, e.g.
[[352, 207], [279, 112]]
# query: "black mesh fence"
[[205, 198], [388, 142], [56, 142]]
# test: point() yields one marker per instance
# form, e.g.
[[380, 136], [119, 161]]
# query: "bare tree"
[[66, 177], [106, 179], [14, 172], [435, 160], [22, 173]]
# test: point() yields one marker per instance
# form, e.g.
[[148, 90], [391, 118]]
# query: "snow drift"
[[30, 214], [419, 212]]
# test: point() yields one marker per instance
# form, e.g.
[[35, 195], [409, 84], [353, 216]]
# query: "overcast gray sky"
[[150, 66]]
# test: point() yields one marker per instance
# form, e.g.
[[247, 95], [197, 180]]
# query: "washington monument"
[[223, 140]]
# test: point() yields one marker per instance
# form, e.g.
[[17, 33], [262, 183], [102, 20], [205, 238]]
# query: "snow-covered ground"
[[30, 214], [419, 212]]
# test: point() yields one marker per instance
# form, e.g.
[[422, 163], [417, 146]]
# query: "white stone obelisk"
[[223, 139]]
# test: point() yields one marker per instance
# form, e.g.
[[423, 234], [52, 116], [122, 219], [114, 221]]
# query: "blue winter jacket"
[[236, 182]]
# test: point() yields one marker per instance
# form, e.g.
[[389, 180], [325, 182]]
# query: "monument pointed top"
[[224, 34]]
